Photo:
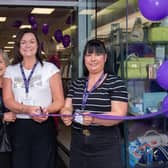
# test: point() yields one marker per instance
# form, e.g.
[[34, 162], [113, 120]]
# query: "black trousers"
[[100, 148], [34, 144], [5, 159]]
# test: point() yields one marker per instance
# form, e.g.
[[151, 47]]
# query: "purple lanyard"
[[86, 93], [26, 81]]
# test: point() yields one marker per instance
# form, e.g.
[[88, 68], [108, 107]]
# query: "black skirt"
[[5, 159], [96, 146]]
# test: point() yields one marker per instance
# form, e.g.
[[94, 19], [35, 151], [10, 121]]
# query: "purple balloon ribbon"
[[112, 117]]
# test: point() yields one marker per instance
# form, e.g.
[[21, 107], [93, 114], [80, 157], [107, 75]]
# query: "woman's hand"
[[9, 116], [87, 118], [37, 113], [66, 116], [41, 115]]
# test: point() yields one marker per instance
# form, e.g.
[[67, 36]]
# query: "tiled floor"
[[64, 137]]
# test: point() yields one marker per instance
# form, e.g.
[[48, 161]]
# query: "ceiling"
[[56, 20]]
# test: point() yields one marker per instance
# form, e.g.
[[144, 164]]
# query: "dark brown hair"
[[97, 46], [17, 55]]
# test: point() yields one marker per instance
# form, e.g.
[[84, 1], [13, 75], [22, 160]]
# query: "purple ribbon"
[[112, 117]]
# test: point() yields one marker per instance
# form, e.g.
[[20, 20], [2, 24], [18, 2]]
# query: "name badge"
[[28, 101], [78, 117]]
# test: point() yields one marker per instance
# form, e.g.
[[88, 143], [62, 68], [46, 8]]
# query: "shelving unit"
[[137, 88]]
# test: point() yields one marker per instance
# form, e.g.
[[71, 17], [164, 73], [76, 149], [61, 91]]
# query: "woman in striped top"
[[95, 142]]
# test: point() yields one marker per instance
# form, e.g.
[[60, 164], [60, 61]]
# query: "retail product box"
[[152, 101]]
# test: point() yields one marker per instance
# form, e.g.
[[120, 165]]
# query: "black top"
[[2, 107], [99, 101]]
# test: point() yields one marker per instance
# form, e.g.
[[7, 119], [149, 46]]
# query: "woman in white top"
[[32, 89]]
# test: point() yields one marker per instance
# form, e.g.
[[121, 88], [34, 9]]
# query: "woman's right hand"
[[31, 110], [66, 116], [42, 115], [36, 113], [9, 116]]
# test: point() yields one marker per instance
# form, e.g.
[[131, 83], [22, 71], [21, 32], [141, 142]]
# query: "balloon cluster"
[[153, 10], [59, 37], [162, 80], [32, 22], [45, 29]]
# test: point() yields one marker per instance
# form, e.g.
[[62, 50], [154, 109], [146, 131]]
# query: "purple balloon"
[[66, 40], [153, 9], [34, 26], [17, 23], [45, 28], [164, 106], [58, 35], [31, 19], [161, 75]]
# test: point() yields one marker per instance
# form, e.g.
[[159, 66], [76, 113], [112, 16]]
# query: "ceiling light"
[[24, 26], [42, 11], [7, 47], [14, 36], [11, 42], [7, 50], [2, 19], [87, 12]]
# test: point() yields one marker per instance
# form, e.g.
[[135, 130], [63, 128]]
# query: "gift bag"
[[160, 153], [149, 150], [158, 34], [137, 33], [136, 67], [5, 144], [153, 138]]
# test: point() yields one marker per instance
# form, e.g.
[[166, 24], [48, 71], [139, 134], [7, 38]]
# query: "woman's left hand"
[[9, 117], [87, 119]]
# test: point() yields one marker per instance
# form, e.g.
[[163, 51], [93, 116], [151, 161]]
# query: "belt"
[[88, 130]]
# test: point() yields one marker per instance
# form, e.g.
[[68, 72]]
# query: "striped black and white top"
[[113, 88]]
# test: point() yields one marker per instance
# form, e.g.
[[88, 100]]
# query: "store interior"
[[125, 31]]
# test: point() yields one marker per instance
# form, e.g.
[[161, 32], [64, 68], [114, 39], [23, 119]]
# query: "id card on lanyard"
[[78, 113], [27, 99]]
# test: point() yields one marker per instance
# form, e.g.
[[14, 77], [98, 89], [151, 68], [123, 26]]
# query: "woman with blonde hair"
[[5, 114]]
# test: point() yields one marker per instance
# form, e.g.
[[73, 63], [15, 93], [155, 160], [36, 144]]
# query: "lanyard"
[[26, 81], [86, 93]]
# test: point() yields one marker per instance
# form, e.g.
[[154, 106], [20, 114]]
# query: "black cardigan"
[[2, 107]]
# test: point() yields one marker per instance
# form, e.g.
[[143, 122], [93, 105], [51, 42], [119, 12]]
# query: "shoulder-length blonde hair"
[[5, 57]]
